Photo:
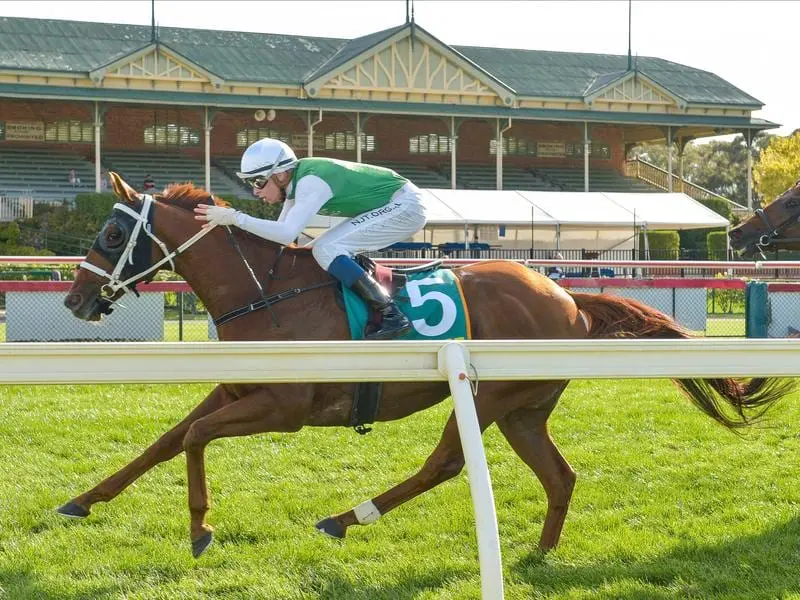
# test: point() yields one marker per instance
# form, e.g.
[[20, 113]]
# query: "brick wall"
[[124, 130]]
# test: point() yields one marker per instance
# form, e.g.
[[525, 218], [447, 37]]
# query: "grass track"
[[667, 505]]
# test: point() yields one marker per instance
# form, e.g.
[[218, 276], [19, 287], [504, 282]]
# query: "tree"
[[778, 167], [719, 166]]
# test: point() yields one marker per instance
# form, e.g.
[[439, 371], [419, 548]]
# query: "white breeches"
[[373, 230]]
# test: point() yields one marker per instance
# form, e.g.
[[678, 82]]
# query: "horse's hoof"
[[331, 527], [201, 544], [73, 510]]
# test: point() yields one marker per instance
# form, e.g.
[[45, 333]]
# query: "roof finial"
[[153, 34], [630, 59], [408, 19]]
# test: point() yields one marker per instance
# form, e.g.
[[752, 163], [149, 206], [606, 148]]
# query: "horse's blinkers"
[[141, 257]]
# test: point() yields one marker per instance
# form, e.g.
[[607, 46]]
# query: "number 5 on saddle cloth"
[[432, 300]]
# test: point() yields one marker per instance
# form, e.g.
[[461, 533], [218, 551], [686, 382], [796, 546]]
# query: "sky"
[[748, 43]]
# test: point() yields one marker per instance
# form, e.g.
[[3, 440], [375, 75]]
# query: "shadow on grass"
[[408, 587], [22, 583], [758, 566]]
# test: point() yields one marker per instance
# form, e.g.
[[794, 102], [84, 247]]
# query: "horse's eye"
[[114, 236]]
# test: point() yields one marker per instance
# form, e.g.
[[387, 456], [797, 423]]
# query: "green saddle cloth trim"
[[432, 301]]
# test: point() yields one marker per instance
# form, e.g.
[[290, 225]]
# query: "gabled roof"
[[363, 48], [81, 47], [352, 49], [154, 47]]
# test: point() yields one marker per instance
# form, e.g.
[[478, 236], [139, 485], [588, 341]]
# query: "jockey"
[[381, 208]]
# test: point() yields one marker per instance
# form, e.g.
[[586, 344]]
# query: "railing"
[[13, 208], [658, 177], [492, 360]]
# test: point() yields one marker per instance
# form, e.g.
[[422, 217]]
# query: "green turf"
[[668, 504]]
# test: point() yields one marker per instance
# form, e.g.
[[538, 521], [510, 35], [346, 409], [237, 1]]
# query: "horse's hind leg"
[[445, 462], [167, 447], [526, 430]]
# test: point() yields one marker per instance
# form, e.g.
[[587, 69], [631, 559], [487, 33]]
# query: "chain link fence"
[[712, 304]]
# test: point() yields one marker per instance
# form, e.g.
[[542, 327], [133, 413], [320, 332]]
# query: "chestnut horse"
[[506, 301], [774, 227]]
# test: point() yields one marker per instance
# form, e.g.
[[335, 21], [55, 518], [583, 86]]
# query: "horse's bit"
[[773, 237]]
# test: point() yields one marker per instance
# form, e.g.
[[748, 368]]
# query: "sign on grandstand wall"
[[25, 131], [551, 149]]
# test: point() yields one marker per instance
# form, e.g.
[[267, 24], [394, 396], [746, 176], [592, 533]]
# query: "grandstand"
[[166, 168], [43, 173], [159, 95], [600, 180]]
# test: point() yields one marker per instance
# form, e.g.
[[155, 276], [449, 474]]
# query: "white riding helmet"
[[265, 158]]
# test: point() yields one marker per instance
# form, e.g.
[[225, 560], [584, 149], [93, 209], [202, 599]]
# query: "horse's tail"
[[747, 400]]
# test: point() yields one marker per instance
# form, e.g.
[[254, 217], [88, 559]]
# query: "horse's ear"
[[122, 189]]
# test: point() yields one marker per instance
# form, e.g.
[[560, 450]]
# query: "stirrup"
[[394, 328]]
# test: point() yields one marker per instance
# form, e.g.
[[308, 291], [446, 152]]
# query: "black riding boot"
[[393, 322]]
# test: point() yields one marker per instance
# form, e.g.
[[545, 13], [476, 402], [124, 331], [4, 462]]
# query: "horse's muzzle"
[[87, 310]]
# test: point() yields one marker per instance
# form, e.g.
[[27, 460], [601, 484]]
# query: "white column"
[[585, 156], [358, 137], [311, 132], [499, 157], [453, 138], [97, 128], [207, 128], [669, 158], [681, 148], [749, 140]]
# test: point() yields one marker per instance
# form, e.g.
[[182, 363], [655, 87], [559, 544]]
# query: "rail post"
[[453, 361]]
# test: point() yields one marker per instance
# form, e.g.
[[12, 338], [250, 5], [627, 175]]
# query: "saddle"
[[393, 279]]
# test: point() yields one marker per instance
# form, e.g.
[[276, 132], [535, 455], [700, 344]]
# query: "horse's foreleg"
[[526, 430], [445, 462], [274, 408], [167, 447]]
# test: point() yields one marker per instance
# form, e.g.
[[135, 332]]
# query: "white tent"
[[519, 219], [590, 220]]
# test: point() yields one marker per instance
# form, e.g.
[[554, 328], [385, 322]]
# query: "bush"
[[664, 245], [94, 205], [717, 243]]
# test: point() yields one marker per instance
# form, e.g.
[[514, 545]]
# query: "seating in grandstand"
[[168, 168], [44, 174], [419, 175], [600, 180], [483, 177]]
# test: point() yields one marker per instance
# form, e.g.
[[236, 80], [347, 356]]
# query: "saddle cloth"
[[432, 300]]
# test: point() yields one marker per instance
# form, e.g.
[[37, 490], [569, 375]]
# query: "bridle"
[[774, 236], [135, 256]]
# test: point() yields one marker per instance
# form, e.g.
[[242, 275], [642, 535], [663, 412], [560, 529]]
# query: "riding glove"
[[221, 215]]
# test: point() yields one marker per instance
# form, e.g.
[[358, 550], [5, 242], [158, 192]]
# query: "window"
[[171, 134], [339, 141], [514, 146], [431, 143], [2, 130], [69, 131], [245, 137]]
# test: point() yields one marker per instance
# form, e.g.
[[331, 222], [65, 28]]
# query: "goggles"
[[258, 182]]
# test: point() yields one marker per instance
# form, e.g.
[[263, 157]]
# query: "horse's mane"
[[187, 196]]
